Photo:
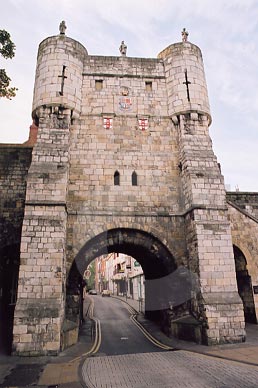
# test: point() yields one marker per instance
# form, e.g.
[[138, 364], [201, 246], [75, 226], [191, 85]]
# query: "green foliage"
[[7, 47], [7, 50], [91, 280]]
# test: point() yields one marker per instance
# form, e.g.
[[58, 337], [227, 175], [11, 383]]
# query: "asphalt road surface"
[[119, 335]]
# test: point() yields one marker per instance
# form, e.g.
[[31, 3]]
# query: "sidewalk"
[[246, 352]]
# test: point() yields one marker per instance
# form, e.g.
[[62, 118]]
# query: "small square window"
[[98, 84], [148, 86]]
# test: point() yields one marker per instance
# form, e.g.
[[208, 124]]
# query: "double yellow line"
[[144, 331], [97, 329], [97, 341]]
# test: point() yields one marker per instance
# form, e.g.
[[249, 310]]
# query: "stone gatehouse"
[[123, 162]]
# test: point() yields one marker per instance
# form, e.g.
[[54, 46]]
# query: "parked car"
[[106, 293], [93, 292]]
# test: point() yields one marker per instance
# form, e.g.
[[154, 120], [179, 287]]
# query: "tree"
[[91, 281], [7, 50]]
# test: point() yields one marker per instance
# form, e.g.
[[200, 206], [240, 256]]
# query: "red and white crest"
[[125, 103], [143, 124], [108, 123]]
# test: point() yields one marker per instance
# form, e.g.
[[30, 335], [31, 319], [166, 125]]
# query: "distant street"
[[125, 358]]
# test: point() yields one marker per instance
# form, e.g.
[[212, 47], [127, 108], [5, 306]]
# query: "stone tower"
[[123, 162], [39, 311], [207, 225]]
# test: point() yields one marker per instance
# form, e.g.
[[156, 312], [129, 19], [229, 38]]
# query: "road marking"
[[148, 335], [98, 336], [133, 316], [97, 340]]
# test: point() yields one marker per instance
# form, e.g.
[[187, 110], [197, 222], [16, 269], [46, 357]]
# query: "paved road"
[[178, 369], [119, 335], [133, 363]]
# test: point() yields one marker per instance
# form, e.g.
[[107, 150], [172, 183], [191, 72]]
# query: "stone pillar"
[[39, 311], [208, 233]]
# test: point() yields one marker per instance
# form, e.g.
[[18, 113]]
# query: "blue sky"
[[226, 32]]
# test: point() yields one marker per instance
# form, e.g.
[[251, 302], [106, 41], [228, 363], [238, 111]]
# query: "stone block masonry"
[[14, 164], [123, 151], [245, 201], [40, 306]]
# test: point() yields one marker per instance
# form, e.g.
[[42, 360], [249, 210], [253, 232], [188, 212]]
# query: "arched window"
[[116, 178], [134, 179]]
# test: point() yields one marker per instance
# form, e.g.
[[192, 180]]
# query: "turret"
[[59, 70], [186, 84]]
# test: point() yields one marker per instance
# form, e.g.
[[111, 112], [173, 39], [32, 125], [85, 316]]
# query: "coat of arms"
[[125, 103], [108, 123], [143, 124]]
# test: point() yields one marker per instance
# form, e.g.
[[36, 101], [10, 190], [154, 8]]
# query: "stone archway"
[[141, 245], [155, 258], [244, 284]]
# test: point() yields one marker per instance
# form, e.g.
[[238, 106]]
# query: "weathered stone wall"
[[39, 311], [96, 153], [14, 164], [184, 70], [59, 73], [208, 236], [166, 229], [245, 236], [246, 201], [101, 120]]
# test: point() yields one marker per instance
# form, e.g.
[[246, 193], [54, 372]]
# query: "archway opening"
[[168, 288], [9, 272], [154, 257], [244, 284]]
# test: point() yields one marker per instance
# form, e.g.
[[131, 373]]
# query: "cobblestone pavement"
[[177, 369]]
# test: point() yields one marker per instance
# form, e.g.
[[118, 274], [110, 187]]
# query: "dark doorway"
[[244, 284], [9, 271]]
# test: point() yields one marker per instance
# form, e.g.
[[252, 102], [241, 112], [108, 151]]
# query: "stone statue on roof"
[[123, 48], [184, 35], [62, 27]]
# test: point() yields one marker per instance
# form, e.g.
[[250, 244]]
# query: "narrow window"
[[148, 86], [116, 178], [134, 179], [98, 84]]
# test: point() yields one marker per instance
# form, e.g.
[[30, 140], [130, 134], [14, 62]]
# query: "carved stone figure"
[[184, 35], [62, 27], [123, 48]]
